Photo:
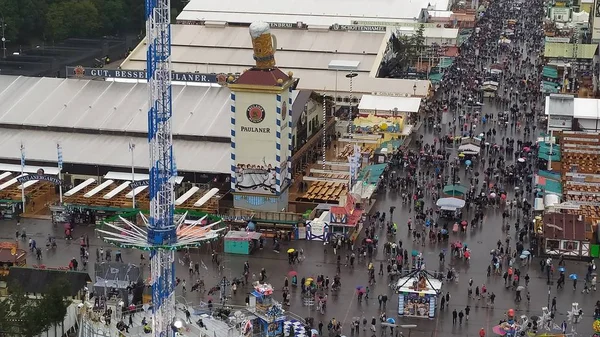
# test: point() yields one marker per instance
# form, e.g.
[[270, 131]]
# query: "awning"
[[450, 203], [469, 148]]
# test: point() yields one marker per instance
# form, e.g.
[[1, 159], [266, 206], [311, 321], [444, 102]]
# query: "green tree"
[[72, 19], [22, 316], [54, 303]]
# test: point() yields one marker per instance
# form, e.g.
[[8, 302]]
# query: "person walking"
[[454, 316], [461, 315]]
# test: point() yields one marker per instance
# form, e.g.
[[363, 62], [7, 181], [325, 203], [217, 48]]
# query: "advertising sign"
[[89, 73], [596, 22], [358, 28], [34, 177], [255, 139], [558, 123]]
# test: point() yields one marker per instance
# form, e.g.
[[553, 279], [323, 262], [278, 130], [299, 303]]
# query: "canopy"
[[469, 148], [455, 189], [450, 203]]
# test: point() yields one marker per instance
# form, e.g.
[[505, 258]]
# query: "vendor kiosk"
[[269, 312], [11, 255], [417, 295], [240, 242]]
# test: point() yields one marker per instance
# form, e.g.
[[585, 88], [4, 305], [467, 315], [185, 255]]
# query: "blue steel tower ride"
[[161, 226]]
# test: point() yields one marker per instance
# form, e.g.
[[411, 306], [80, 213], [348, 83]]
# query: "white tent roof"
[[103, 105], [110, 150], [306, 53], [388, 103], [311, 12]]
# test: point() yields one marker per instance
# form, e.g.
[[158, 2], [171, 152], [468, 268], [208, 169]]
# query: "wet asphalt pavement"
[[343, 305]]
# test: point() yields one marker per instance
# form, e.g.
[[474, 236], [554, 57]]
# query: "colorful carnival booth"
[[241, 242], [417, 295], [388, 127], [269, 311]]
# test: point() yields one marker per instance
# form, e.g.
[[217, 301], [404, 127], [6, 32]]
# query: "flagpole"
[[60, 167], [22, 173], [132, 148]]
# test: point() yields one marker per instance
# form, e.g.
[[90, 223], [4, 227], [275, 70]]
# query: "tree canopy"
[[22, 316], [34, 21]]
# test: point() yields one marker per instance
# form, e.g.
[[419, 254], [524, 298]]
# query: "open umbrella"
[[464, 222], [522, 257], [291, 250], [314, 333], [461, 155], [499, 330], [414, 252], [391, 320], [573, 276], [292, 273], [520, 288], [521, 160], [561, 269], [468, 162], [369, 241], [492, 195], [526, 253]]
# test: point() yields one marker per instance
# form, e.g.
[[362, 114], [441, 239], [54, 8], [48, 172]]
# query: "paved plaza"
[[344, 305]]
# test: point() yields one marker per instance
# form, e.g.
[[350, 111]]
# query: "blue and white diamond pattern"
[[299, 330]]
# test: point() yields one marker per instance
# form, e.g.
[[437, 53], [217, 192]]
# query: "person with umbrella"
[[518, 293], [574, 278]]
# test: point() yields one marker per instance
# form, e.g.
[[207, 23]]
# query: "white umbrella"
[[521, 160]]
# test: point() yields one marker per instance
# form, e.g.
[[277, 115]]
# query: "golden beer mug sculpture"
[[264, 45]]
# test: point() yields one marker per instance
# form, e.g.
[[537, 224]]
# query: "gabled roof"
[[33, 280]]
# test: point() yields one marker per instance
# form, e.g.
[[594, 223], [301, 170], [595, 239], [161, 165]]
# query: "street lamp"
[[3, 35], [343, 65], [132, 149], [351, 76]]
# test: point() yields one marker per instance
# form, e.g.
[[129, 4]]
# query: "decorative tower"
[[261, 129]]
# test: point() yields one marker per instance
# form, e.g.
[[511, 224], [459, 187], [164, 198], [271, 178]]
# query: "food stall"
[[241, 242], [11, 255], [417, 295], [450, 208]]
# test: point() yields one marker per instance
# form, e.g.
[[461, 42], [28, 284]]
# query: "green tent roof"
[[544, 152], [446, 62], [455, 189], [549, 71]]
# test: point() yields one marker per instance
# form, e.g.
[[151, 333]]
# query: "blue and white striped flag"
[[22, 156], [60, 156]]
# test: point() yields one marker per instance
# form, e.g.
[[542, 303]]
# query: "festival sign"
[[36, 177], [139, 183], [89, 73], [255, 134]]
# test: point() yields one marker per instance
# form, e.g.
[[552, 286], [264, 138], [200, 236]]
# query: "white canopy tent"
[[388, 105]]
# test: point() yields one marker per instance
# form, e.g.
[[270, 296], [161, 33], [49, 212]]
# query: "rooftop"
[[304, 52], [69, 104], [311, 12], [564, 226], [110, 150]]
